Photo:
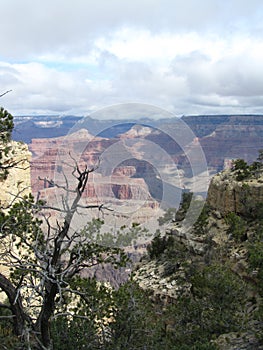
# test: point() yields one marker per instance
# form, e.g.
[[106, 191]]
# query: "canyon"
[[115, 185], [138, 173], [147, 162], [140, 170]]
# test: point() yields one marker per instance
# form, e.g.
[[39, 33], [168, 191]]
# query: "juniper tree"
[[6, 127]]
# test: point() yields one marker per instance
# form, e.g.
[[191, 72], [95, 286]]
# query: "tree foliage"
[[184, 206], [159, 244], [6, 127], [210, 310], [241, 169], [200, 226], [237, 227], [245, 171]]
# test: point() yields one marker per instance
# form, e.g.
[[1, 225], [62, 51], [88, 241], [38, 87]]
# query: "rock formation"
[[222, 137], [17, 184], [18, 179], [117, 185], [227, 195]]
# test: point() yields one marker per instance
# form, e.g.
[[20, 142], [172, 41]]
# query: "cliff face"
[[18, 179], [46, 153], [233, 140], [227, 137], [226, 194], [16, 183], [119, 185]]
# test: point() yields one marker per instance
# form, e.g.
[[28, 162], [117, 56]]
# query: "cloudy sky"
[[186, 56]]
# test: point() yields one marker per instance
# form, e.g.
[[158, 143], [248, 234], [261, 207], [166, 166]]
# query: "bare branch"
[[16, 196], [9, 164], [5, 93], [54, 184], [71, 315]]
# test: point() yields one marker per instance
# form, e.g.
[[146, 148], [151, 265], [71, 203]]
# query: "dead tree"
[[42, 257]]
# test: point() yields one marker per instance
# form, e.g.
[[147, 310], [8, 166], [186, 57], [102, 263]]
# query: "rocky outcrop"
[[226, 194], [151, 277], [121, 185], [16, 185], [239, 341], [18, 179], [47, 153], [125, 171]]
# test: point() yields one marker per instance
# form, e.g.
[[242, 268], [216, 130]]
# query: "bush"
[[200, 226], [255, 259], [80, 334], [241, 168], [184, 206], [158, 245], [135, 323], [213, 308], [237, 227]]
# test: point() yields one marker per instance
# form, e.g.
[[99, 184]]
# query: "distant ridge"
[[28, 127]]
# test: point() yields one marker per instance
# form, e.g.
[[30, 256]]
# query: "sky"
[[185, 56]]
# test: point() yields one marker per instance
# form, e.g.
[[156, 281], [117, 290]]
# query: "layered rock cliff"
[[114, 183], [226, 194], [237, 137]]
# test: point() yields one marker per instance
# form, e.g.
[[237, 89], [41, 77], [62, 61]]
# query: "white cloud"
[[141, 45], [190, 57]]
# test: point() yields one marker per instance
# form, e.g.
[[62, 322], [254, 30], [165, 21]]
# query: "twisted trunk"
[[47, 310], [19, 316]]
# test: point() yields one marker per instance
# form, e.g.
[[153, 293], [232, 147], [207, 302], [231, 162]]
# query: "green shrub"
[[237, 227], [241, 169], [255, 256], [159, 245], [255, 259], [212, 308], [184, 206], [200, 226]]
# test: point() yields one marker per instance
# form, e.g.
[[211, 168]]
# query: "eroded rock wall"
[[18, 180], [226, 194]]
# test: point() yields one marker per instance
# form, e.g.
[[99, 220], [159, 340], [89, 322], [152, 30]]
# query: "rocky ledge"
[[18, 179], [227, 195]]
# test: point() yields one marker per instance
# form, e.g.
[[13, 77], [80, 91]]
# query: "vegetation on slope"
[[222, 307]]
